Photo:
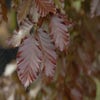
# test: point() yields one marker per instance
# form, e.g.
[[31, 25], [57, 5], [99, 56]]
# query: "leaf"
[[59, 32], [28, 60], [24, 29], [48, 49], [95, 8], [23, 10], [44, 7], [34, 13], [3, 11], [35, 55]]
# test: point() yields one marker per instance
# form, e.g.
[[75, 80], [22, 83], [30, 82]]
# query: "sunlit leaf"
[[18, 35]]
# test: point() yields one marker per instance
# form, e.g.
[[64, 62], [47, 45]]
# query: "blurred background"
[[77, 75]]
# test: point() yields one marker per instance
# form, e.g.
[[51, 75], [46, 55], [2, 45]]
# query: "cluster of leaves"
[[43, 40], [38, 42]]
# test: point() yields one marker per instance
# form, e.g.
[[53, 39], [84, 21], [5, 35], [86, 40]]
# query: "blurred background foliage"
[[77, 75]]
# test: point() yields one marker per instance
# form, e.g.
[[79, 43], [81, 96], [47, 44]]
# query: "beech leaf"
[[28, 60], [3, 11], [95, 8], [44, 7], [23, 10], [18, 35], [48, 49], [59, 32]]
